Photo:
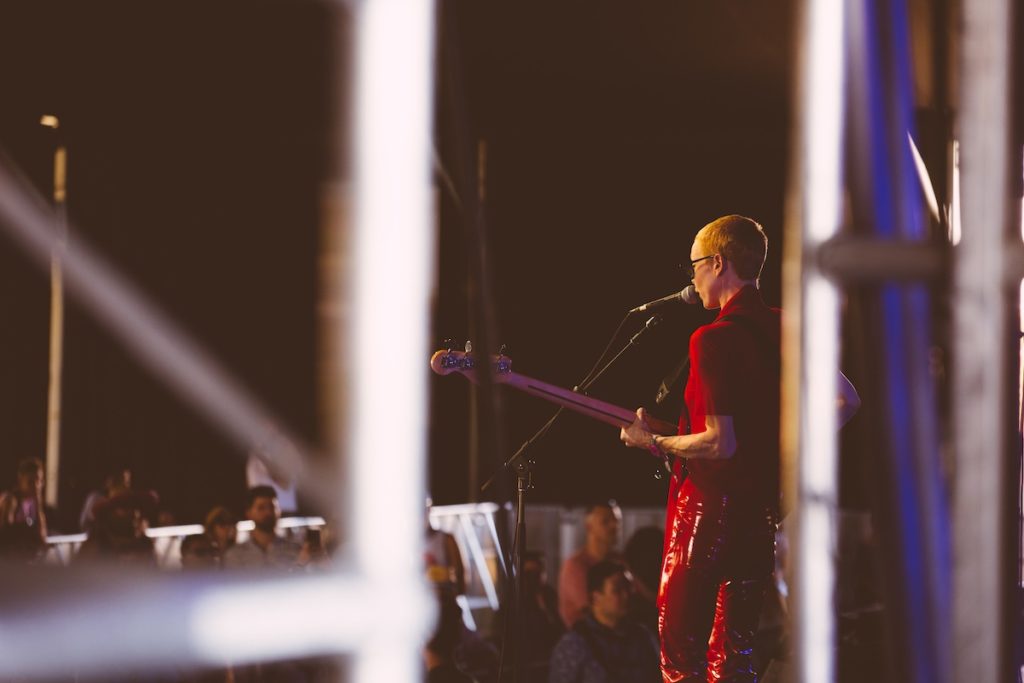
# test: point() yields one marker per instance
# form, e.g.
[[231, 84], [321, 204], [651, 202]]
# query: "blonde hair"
[[740, 240]]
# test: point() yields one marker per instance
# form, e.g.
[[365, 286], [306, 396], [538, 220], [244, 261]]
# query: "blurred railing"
[[167, 540]]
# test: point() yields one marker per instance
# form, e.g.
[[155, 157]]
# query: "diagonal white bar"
[[154, 339]]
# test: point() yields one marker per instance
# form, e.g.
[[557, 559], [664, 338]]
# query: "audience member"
[[542, 624], [165, 516], [439, 653], [472, 655], [23, 513], [264, 548], [258, 473], [206, 550], [443, 559], [118, 531], [118, 480], [602, 533], [605, 645], [643, 557]]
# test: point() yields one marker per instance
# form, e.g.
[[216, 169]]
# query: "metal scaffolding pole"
[[53, 410], [980, 603], [907, 487], [886, 199], [811, 351], [394, 259]]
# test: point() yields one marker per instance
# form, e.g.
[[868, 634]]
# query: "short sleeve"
[[715, 357]]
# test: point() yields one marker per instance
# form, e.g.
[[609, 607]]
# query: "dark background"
[[199, 139]]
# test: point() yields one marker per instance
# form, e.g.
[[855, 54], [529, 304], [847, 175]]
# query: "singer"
[[722, 518]]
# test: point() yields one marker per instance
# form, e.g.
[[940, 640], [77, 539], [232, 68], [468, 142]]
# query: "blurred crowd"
[[115, 519], [597, 623], [116, 516]]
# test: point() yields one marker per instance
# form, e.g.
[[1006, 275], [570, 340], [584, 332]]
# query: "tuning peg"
[[502, 350], [469, 346], [448, 344]]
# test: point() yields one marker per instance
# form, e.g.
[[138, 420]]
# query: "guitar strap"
[[680, 370]]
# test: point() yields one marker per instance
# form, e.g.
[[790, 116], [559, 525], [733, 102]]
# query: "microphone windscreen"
[[689, 295]]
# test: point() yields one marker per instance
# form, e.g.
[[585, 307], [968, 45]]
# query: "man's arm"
[[40, 503], [41, 527], [7, 503], [572, 592], [716, 442]]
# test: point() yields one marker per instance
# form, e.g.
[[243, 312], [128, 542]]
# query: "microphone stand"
[[524, 482]]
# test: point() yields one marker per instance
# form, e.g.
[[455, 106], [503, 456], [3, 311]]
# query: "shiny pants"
[[718, 563]]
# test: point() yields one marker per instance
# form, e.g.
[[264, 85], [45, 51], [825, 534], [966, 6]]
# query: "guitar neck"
[[585, 405]]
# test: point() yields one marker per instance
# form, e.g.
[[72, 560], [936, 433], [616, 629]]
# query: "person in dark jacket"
[[606, 645]]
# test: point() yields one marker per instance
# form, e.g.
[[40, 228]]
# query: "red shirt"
[[734, 371]]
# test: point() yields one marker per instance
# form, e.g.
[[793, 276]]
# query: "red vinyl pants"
[[718, 563]]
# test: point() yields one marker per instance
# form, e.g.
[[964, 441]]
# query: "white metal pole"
[[388, 343], [810, 338]]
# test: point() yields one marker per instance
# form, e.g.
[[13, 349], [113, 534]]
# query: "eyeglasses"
[[689, 270]]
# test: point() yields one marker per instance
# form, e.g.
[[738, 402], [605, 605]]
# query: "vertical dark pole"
[[522, 486], [53, 412]]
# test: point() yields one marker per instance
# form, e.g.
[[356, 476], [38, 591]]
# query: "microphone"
[[687, 296]]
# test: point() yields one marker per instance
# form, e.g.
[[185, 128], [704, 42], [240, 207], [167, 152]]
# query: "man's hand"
[[312, 557], [638, 434]]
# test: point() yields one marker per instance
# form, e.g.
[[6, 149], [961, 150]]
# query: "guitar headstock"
[[447, 361]]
